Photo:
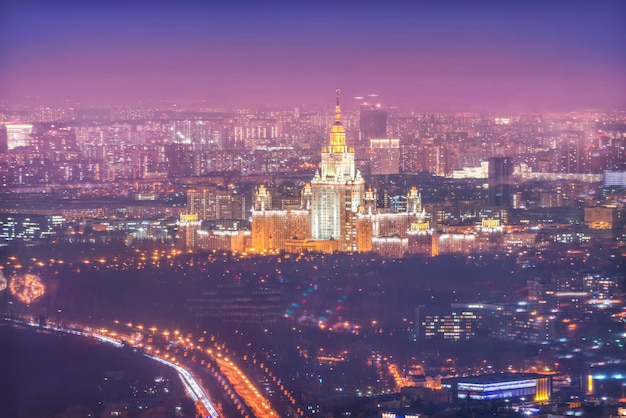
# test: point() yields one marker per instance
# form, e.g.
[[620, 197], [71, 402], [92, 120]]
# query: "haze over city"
[[313, 209], [487, 55]]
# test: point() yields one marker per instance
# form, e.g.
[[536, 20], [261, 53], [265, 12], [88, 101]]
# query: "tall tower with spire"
[[337, 214], [337, 191]]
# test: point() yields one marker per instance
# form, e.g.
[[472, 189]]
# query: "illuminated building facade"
[[217, 240], [446, 324], [27, 227], [399, 414], [337, 191], [614, 178], [188, 225], [384, 156], [212, 203], [18, 135], [605, 217], [391, 247], [464, 321], [606, 380], [532, 386], [454, 243], [272, 228], [397, 232]]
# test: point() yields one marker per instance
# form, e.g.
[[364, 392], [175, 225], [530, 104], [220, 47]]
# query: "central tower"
[[337, 191]]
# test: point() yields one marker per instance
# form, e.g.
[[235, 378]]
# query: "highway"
[[191, 385], [193, 388], [246, 389]]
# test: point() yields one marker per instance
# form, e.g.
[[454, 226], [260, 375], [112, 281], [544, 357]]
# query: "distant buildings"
[[236, 303], [27, 228], [464, 321], [217, 157]]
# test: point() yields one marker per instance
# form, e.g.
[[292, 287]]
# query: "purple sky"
[[491, 55]]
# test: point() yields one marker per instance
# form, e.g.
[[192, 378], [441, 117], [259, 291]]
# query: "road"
[[193, 388]]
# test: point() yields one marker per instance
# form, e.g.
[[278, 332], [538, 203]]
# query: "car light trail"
[[192, 386]]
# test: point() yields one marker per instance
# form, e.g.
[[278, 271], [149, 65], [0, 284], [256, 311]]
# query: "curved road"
[[191, 385]]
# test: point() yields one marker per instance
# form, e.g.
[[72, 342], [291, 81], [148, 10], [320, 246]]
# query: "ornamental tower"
[[337, 191]]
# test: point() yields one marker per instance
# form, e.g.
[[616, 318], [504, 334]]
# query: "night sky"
[[460, 55]]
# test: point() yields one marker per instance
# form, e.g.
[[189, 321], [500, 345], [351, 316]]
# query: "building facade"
[[337, 191]]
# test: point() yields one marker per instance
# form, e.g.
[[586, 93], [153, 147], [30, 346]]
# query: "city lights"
[[382, 214]]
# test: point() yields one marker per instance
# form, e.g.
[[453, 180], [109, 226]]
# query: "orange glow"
[[27, 288], [589, 384]]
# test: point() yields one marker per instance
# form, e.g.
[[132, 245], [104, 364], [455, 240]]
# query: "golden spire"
[[337, 109], [337, 133]]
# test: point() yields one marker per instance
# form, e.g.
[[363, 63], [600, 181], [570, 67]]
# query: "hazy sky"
[[506, 54]]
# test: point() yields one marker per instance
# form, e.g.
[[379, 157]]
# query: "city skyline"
[[174, 184], [489, 292], [450, 56]]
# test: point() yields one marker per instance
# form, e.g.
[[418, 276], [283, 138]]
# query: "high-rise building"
[[272, 228], [188, 226], [4, 138], [337, 191], [393, 232], [384, 156], [372, 123], [212, 203], [499, 180], [18, 135]]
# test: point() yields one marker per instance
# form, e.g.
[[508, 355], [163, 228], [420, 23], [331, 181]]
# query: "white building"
[[337, 191]]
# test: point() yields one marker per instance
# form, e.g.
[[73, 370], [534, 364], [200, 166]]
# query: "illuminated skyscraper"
[[337, 191]]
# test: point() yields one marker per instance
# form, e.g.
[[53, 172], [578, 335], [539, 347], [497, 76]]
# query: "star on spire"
[[337, 108]]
